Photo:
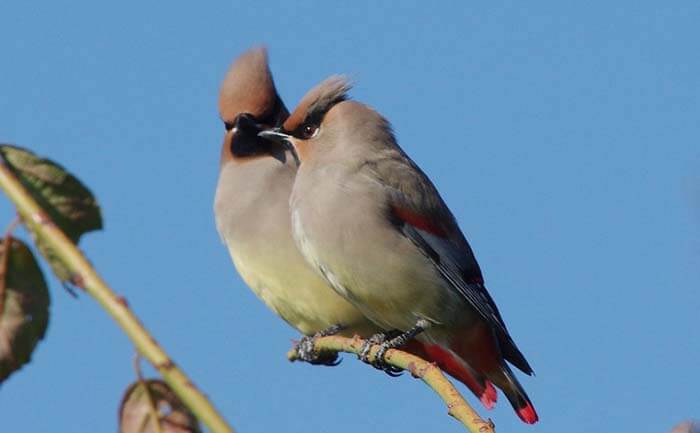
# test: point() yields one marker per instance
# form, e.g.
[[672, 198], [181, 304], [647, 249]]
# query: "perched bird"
[[252, 217], [252, 207], [369, 220]]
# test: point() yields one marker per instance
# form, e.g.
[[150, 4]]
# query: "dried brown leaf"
[[143, 399]]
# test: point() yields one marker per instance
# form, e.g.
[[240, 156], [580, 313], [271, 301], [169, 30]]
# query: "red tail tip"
[[528, 414], [489, 396]]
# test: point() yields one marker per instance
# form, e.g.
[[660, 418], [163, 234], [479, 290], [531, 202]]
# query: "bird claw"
[[379, 362], [306, 348], [306, 352], [367, 346]]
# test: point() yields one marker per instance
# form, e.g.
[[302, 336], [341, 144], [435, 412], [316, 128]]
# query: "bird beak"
[[278, 136], [245, 122], [275, 135]]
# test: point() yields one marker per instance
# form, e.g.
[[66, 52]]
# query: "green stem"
[[86, 277]]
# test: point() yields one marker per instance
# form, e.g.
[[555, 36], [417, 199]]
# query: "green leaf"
[[24, 306], [69, 204], [144, 399]]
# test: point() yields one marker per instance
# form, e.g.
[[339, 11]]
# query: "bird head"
[[326, 121], [249, 103]]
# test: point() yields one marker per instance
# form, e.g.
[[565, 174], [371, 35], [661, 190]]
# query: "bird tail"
[[453, 365], [479, 348], [516, 395]]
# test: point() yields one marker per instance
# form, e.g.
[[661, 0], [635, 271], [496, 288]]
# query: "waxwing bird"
[[252, 207], [252, 217], [366, 216]]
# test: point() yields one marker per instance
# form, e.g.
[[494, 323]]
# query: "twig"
[[152, 409], [12, 226], [429, 373], [86, 277]]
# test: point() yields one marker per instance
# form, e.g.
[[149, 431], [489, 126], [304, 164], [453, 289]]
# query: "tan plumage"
[[252, 210], [370, 220]]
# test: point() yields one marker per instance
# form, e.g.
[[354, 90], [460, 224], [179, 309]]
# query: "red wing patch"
[[418, 221]]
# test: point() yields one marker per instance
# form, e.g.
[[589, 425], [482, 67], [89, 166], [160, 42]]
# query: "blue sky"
[[564, 136]]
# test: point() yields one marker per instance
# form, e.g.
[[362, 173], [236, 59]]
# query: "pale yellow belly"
[[297, 294]]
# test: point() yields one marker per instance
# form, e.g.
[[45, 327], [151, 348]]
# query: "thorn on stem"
[[77, 280], [122, 300], [41, 218], [167, 365]]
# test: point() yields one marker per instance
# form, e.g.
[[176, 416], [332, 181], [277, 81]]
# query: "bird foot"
[[306, 348], [390, 340], [384, 341]]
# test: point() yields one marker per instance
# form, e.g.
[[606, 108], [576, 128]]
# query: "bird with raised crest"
[[251, 207], [372, 223]]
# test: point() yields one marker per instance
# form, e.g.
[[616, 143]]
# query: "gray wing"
[[416, 209], [459, 267]]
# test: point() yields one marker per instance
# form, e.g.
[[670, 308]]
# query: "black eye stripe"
[[313, 120], [268, 119]]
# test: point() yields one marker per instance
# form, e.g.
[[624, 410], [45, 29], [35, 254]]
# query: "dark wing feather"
[[417, 210], [458, 268]]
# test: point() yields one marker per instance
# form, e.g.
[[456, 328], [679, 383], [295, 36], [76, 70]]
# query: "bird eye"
[[228, 126], [309, 131]]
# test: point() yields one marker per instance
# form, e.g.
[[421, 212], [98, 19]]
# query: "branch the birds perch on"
[[428, 372]]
